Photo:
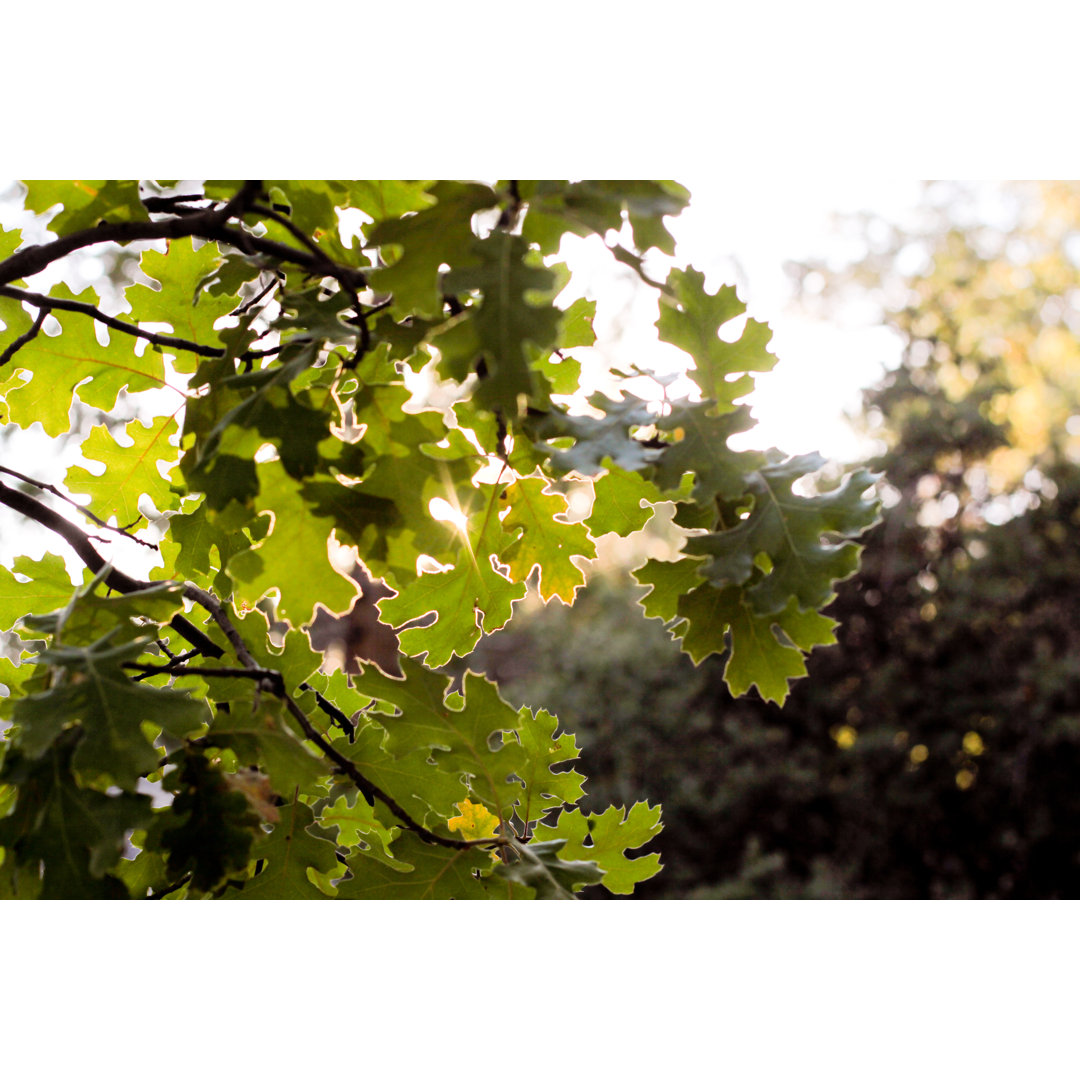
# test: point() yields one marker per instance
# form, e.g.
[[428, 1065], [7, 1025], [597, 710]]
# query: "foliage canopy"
[[933, 753], [295, 373]]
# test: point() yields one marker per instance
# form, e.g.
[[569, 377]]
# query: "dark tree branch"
[[82, 509], [336, 715], [48, 303], [162, 893], [23, 339], [217, 612], [115, 579], [173, 204], [369, 790], [275, 684], [209, 224]]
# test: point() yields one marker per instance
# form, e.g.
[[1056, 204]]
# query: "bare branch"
[[208, 224], [162, 893], [275, 684], [49, 303], [22, 339], [115, 579], [82, 509], [211, 604]]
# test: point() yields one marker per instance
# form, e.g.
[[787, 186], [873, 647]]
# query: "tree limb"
[[115, 579], [48, 303], [275, 684], [23, 339], [209, 224], [82, 509]]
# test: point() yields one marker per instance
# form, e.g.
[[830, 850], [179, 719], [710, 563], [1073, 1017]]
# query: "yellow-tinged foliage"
[[475, 821]]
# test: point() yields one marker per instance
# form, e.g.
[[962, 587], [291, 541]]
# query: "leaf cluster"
[[318, 394]]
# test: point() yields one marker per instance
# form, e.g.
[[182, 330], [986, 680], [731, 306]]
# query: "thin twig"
[[161, 893], [49, 303], [247, 306], [176, 668], [208, 224], [275, 684], [210, 603], [23, 339], [336, 715], [115, 579], [82, 509]]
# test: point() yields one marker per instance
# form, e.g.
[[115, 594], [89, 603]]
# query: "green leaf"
[[262, 738], [209, 828], [130, 471], [76, 832], [383, 200], [605, 838], [143, 874], [85, 202], [310, 581], [757, 657], [417, 783], [49, 587], [59, 364], [427, 872], [577, 326], [289, 852], [182, 301], [599, 442], [201, 541], [457, 732], [794, 531], [109, 707], [545, 746], [89, 617], [507, 317], [617, 503], [547, 539], [538, 866], [595, 206], [668, 581], [471, 592], [692, 319], [16, 322], [701, 449], [357, 823], [439, 234]]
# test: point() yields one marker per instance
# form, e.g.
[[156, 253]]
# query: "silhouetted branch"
[[49, 303], [273, 682], [115, 579], [22, 339], [209, 224], [82, 509]]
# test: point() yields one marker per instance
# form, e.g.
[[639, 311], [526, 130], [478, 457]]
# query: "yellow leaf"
[[476, 822]]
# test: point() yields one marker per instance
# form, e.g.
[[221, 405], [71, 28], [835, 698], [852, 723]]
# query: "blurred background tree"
[[935, 752]]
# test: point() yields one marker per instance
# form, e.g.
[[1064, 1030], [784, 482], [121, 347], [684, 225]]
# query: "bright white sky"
[[821, 367], [742, 233]]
